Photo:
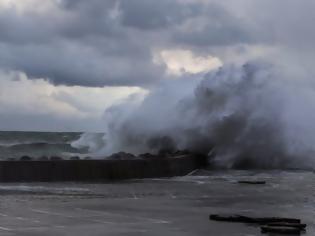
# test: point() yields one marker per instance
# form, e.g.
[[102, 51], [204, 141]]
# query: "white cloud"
[[185, 61], [21, 6], [20, 96]]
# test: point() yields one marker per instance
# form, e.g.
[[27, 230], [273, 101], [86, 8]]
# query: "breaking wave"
[[38, 144], [253, 115], [91, 141]]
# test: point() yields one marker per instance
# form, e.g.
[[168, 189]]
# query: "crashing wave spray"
[[242, 116]]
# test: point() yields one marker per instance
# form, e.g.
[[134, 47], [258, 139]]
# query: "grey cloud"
[[84, 46], [91, 18], [218, 27], [111, 43], [214, 35], [69, 23], [287, 23], [99, 43], [24, 29], [78, 65], [152, 15]]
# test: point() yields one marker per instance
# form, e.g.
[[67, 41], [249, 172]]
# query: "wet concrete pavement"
[[174, 206]]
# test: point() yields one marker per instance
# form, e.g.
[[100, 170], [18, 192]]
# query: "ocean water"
[[178, 206], [40, 144]]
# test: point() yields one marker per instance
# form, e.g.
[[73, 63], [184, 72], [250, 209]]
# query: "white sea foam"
[[92, 141]]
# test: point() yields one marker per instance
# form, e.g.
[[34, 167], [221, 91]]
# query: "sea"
[[178, 206], [162, 206], [16, 144]]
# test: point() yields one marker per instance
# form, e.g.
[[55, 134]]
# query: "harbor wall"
[[97, 170]]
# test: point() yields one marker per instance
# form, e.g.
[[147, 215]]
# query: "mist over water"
[[252, 115]]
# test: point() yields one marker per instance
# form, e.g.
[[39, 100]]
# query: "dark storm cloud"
[[79, 65], [98, 43]]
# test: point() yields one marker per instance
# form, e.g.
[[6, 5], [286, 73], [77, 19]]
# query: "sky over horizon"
[[64, 62]]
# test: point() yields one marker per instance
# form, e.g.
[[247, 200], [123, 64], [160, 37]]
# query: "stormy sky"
[[63, 62]]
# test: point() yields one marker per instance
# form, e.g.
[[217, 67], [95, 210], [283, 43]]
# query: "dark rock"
[[164, 153], [169, 153], [251, 182], [122, 156], [55, 158], [247, 219], [146, 155], [25, 158], [181, 152], [280, 230], [163, 144], [43, 158]]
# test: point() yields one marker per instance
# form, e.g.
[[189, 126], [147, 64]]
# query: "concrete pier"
[[97, 170]]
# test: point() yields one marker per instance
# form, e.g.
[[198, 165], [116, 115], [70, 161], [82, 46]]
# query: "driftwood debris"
[[280, 230], [256, 220], [286, 224], [251, 182], [279, 225]]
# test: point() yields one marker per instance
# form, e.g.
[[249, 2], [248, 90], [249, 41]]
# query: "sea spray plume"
[[242, 114], [91, 141], [143, 125], [240, 108]]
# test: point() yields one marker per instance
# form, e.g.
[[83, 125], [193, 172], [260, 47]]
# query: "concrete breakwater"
[[98, 170]]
